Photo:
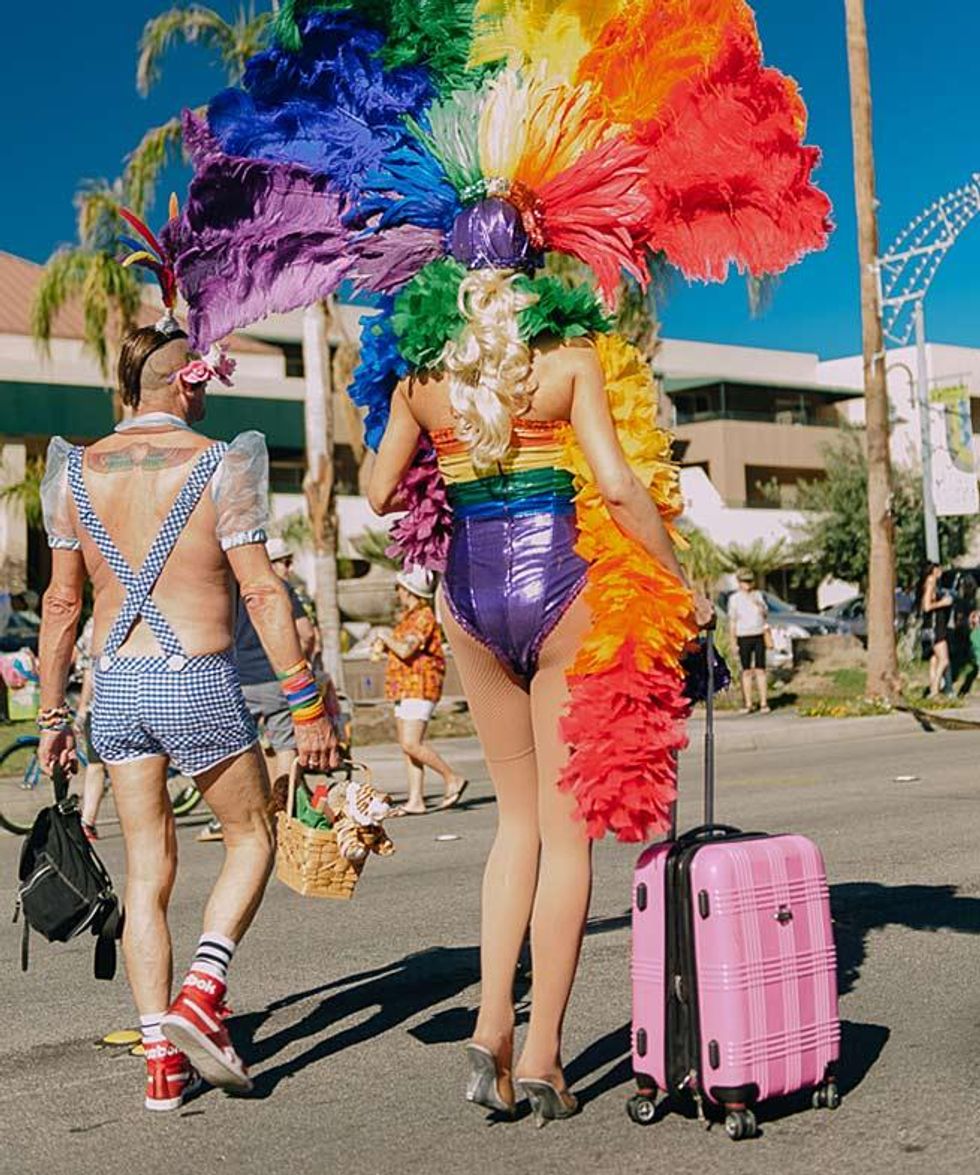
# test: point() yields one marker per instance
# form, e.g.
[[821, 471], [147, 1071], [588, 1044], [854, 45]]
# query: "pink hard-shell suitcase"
[[734, 969]]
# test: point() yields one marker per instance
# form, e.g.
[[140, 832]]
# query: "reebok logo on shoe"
[[202, 982]]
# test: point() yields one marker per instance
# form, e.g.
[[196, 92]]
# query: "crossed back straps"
[[138, 603]]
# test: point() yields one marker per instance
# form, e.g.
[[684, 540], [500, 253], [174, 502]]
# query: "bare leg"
[[414, 770], [411, 734], [238, 792], [937, 668], [747, 688], [761, 686], [147, 820], [565, 874], [92, 792], [501, 711]]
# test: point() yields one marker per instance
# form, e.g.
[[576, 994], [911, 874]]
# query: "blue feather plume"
[[332, 107], [409, 187], [378, 373]]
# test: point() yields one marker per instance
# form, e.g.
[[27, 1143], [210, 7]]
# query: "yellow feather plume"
[[528, 32], [533, 128]]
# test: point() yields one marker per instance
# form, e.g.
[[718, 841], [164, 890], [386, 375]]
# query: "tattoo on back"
[[138, 456]]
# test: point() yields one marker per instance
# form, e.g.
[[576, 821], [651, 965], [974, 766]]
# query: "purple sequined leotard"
[[512, 570]]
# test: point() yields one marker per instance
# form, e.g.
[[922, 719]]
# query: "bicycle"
[[22, 795]]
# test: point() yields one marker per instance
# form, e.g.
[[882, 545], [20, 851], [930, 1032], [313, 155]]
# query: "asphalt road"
[[352, 1015]]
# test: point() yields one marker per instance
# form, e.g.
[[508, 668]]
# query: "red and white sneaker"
[[170, 1078], [194, 1022]]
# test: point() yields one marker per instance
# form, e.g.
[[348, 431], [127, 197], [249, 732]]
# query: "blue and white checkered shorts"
[[193, 713]]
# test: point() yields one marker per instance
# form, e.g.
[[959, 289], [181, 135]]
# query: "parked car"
[[788, 625], [801, 624], [852, 615]]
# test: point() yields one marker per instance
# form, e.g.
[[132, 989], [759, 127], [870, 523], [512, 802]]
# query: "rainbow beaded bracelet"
[[302, 694]]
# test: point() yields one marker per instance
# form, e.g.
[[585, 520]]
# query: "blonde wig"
[[489, 364]]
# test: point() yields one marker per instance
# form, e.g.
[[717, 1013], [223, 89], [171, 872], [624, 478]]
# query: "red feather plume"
[[728, 178]]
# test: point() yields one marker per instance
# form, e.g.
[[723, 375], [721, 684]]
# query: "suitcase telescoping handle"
[[709, 728]]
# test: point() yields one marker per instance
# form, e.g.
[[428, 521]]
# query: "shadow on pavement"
[[862, 906], [393, 994]]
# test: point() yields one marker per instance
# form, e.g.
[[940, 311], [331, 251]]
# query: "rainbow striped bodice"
[[528, 480]]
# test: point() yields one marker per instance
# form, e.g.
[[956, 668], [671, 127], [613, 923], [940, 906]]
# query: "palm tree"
[[882, 654], [110, 294], [230, 42], [759, 557]]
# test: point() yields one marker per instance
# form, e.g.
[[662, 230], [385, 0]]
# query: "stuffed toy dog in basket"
[[326, 862]]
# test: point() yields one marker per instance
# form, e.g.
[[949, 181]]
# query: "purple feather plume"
[[386, 260], [255, 238], [421, 535]]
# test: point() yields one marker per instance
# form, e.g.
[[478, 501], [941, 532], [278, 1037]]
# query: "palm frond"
[[192, 25], [26, 493], [158, 147], [97, 205], [61, 281], [251, 35]]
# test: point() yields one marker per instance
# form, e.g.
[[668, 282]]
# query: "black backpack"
[[64, 888]]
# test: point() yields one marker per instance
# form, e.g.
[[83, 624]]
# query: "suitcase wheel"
[[740, 1124], [641, 1109], [826, 1097]]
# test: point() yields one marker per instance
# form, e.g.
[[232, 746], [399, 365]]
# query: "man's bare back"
[[133, 479]]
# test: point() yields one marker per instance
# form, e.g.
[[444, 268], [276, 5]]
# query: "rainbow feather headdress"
[[395, 144]]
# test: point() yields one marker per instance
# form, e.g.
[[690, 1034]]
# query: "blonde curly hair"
[[489, 365]]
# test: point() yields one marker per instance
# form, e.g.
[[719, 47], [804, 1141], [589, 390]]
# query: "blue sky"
[[71, 112]]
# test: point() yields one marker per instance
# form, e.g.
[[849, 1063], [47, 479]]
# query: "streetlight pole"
[[925, 425]]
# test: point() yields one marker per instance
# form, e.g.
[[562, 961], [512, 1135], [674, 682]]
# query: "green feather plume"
[[453, 137], [426, 312], [560, 311]]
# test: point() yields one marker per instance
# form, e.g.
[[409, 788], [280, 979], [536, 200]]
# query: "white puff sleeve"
[[241, 492], [55, 495]]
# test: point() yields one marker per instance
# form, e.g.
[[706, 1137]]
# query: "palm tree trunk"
[[882, 653], [319, 482]]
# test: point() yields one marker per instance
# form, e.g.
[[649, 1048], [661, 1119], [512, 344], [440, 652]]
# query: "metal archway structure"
[[905, 273], [907, 269]]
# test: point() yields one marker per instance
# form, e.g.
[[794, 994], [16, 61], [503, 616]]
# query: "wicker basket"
[[308, 859]]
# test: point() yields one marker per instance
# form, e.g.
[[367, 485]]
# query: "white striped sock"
[[150, 1028], [213, 956]]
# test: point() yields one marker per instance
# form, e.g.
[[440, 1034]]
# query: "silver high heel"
[[548, 1102], [481, 1086]]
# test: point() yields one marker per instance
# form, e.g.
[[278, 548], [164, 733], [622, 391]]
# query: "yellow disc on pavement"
[[123, 1038], [138, 1051]]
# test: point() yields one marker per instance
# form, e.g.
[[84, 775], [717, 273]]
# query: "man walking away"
[[747, 617], [160, 519]]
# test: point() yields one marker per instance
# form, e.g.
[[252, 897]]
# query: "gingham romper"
[[189, 709]]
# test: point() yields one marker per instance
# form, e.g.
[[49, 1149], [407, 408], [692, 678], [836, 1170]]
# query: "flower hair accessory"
[[199, 371]]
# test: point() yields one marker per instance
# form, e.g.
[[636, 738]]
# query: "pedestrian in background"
[[414, 677], [748, 616], [936, 607]]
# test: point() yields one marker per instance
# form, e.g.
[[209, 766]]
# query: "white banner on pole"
[[954, 471]]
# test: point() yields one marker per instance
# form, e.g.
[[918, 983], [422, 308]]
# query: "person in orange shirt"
[[413, 681]]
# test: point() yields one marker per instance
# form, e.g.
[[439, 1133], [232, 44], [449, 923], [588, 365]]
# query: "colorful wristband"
[[55, 719], [302, 693]]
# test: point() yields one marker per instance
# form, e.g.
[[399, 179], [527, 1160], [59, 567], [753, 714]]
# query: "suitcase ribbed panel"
[[767, 991], [648, 965]]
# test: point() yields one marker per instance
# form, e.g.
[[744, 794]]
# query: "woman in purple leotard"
[[498, 414]]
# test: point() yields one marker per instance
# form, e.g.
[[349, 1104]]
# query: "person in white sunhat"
[[414, 678], [748, 617]]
